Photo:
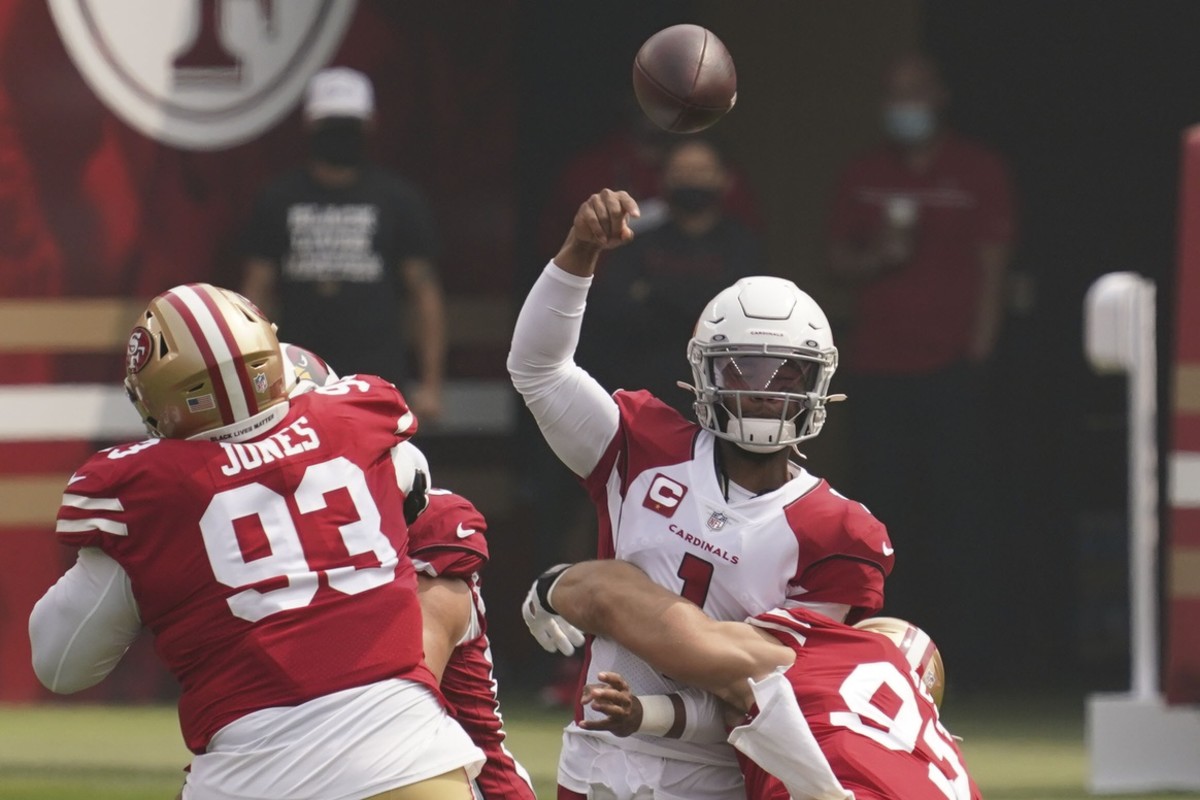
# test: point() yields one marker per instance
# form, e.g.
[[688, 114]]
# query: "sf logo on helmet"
[[138, 352]]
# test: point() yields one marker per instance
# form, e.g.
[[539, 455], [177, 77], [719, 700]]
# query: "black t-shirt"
[[647, 296], [338, 252]]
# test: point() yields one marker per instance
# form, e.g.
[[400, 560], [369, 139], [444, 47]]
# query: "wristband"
[[658, 714], [545, 584]]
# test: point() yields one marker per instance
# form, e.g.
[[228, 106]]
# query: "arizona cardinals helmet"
[[920, 651], [762, 357], [304, 370], [203, 362]]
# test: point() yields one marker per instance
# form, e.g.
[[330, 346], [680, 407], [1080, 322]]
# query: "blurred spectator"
[[630, 158], [921, 231], [333, 246], [642, 310]]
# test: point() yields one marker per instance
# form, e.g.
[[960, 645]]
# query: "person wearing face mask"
[[920, 233], [337, 247], [642, 309]]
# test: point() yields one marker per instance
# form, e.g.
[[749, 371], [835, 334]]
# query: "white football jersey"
[[661, 506]]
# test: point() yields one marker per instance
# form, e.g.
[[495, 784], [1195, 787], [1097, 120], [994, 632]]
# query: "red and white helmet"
[[919, 651], [762, 358], [203, 362]]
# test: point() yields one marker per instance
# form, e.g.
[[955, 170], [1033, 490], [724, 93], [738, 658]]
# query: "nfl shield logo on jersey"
[[716, 521]]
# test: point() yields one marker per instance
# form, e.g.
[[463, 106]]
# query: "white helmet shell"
[[763, 317]]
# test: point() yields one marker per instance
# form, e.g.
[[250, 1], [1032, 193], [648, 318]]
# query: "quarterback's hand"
[[612, 697], [552, 632], [603, 219]]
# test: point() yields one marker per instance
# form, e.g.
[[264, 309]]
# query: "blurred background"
[[500, 113]]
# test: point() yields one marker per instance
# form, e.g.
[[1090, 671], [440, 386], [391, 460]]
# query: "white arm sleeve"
[[780, 741], [84, 624], [577, 417]]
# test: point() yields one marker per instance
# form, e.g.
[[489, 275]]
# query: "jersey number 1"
[[697, 575], [293, 583]]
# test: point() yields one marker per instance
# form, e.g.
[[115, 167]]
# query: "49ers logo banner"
[[200, 74]]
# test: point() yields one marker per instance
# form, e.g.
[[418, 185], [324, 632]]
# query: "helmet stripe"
[[177, 301], [223, 357], [239, 364]]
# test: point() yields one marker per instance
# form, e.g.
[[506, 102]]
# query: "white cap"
[[339, 92]]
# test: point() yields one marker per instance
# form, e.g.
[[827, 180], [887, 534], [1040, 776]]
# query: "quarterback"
[[261, 538], [835, 712], [713, 510]]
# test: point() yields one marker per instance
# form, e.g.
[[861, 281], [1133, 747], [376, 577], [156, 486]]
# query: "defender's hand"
[[614, 698], [552, 632]]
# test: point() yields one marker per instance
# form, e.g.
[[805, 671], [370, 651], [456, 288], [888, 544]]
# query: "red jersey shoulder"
[[100, 497], [364, 399], [655, 434], [844, 551], [449, 536]]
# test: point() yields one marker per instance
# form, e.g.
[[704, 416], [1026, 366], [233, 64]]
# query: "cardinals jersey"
[[662, 507], [448, 540], [873, 720], [268, 569]]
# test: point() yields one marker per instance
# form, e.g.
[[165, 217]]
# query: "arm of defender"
[[84, 624], [576, 415], [446, 614], [615, 599]]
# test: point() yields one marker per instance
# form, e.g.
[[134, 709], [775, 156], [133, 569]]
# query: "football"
[[684, 78]]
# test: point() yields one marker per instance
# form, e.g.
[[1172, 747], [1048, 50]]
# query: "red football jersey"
[[448, 540], [268, 570], [873, 719]]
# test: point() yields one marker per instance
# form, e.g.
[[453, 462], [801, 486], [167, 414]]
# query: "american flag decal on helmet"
[[204, 402]]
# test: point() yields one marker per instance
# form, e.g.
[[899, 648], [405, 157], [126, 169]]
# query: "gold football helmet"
[[203, 362], [920, 651]]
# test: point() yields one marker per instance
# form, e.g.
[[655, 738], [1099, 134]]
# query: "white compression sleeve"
[[84, 624], [576, 415]]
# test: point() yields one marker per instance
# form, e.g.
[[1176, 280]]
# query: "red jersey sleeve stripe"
[[91, 524], [92, 503]]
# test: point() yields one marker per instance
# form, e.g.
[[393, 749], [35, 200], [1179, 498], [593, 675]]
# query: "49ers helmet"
[[203, 362], [918, 649], [762, 357]]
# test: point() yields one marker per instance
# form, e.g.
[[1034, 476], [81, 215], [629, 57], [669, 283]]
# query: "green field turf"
[[1016, 750]]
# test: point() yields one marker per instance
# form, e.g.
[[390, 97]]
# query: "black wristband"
[[545, 581]]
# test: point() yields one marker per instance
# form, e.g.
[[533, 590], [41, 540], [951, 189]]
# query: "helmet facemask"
[[761, 397]]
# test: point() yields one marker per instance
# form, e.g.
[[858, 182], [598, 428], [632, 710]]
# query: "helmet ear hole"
[[163, 350]]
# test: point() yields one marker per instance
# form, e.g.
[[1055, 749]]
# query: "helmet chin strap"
[[760, 435]]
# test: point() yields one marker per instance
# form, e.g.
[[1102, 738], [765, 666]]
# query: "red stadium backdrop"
[[97, 214], [1183, 550]]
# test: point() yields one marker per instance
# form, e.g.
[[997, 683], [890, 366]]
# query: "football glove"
[[552, 632]]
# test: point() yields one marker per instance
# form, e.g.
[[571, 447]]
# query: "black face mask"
[[693, 199], [340, 142]]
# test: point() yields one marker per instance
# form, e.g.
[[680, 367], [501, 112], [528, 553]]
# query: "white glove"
[[552, 632]]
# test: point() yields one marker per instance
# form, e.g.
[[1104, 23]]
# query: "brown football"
[[684, 78]]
